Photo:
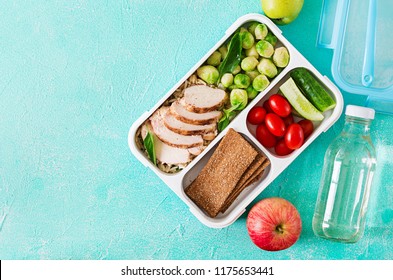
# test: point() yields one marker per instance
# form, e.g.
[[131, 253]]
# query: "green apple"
[[282, 11]]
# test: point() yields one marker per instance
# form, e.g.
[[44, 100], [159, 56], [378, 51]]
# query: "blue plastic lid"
[[360, 32]]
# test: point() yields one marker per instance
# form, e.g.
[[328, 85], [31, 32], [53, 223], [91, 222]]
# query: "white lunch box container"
[[179, 181]]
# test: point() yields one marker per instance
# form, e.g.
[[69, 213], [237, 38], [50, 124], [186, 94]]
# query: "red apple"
[[274, 224]]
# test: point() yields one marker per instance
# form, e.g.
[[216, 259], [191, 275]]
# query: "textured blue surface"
[[76, 74]]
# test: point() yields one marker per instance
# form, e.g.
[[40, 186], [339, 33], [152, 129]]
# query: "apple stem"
[[279, 229]]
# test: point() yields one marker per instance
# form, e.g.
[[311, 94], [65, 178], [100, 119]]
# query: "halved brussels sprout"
[[242, 80], [267, 67], [264, 49], [208, 73], [249, 63], [260, 82], [239, 98], [214, 59]]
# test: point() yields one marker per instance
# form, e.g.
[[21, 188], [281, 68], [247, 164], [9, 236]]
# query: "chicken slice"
[[179, 111], [165, 153], [168, 136], [185, 128], [202, 99]]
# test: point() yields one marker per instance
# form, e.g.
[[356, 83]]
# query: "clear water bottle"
[[347, 174]]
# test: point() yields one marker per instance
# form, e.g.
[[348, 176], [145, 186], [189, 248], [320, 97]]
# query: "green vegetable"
[[252, 52], [271, 38], [214, 59], [238, 98], [252, 27], [229, 114], [148, 143], [260, 82], [242, 80], [267, 67], [233, 56], [236, 70], [208, 73], [223, 50], [252, 74], [252, 92], [227, 80], [313, 90], [281, 57], [261, 31], [247, 40], [249, 63], [264, 49], [299, 102]]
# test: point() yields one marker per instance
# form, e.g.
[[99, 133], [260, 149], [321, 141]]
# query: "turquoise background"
[[75, 74]]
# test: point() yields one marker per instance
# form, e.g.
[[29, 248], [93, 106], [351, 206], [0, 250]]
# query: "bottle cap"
[[360, 112]]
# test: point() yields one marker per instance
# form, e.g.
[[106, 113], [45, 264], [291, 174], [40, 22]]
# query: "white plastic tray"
[[179, 181]]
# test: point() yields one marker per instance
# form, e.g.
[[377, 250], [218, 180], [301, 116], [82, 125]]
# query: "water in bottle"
[[347, 174]]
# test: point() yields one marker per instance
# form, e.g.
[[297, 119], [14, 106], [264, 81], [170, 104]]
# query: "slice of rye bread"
[[222, 172], [256, 176]]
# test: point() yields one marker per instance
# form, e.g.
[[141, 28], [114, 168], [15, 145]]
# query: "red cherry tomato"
[[282, 149], [256, 115], [265, 137], [294, 137], [275, 124], [307, 126], [279, 105], [267, 107], [288, 120]]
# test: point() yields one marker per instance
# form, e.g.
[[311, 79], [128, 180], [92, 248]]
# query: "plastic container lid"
[[360, 112], [360, 34]]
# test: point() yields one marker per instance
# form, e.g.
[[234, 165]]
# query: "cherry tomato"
[[279, 105], [265, 137], [294, 137], [288, 120], [256, 115], [275, 124], [282, 149], [267, 107], [307, 126]]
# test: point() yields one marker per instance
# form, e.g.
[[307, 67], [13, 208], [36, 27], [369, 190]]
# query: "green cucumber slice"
[[313, 90], [299, 102]]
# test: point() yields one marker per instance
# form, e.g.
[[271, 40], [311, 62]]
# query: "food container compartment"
[[178, 181], [319, 126], [241, 200]]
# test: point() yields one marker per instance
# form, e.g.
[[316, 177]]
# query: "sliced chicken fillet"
[[179, 111], [185, 128], [168, 136], [202, 99], [165, 153]]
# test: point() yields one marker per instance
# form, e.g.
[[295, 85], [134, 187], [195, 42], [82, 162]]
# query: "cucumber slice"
[[299, 102], [313, 90]]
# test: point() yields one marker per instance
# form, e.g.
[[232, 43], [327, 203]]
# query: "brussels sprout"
[[247, 40], [260, 82], [252, 52], [252, 27], [267, 67], [264, 49], [242, 80], [249, 63], [281, 57], [261, 31], [243, 29], [214, 59], [236, 70], [227, 79], [271, 38], [208, 73], [252, 74], [251, 92], [239, 98], [223, 50]]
